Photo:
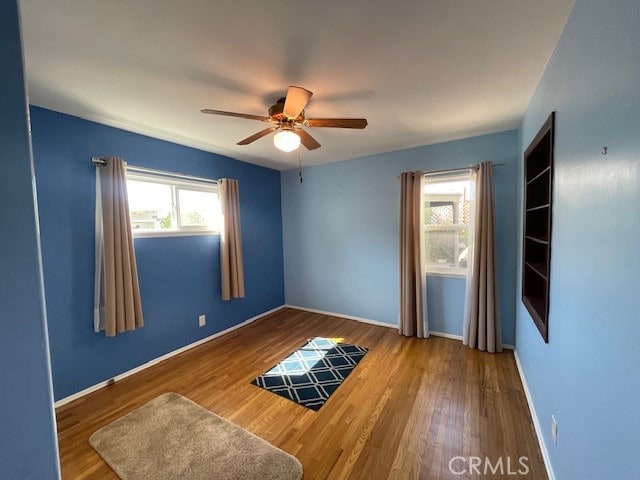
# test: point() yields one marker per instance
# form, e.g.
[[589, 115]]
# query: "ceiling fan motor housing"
[[276, 111]]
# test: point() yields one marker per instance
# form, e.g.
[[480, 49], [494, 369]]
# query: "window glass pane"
[[199, 209], [150, 206], [439, 212], [447, 248], [447, 203], [447, 215], [169, 207]]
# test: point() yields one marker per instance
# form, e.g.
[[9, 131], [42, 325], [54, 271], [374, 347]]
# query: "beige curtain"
[[117, 294], [231, 269], [482, 309], [413, 315]]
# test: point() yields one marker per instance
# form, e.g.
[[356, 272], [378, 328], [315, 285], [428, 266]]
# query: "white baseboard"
[[173, 353], [446, 335], [536, 421], [341, 315], [381, 324]]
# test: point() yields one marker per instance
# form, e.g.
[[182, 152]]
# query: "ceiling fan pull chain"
[[300, 163]]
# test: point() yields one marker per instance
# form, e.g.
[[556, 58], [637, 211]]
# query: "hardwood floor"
[[407, 409]]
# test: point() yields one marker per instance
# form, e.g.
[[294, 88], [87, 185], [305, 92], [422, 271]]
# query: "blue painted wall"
[[28, 445], [179, 276], [588, 376], [341, 233]]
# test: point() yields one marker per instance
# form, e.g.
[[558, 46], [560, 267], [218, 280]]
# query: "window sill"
[[462, 275], [184, 233]]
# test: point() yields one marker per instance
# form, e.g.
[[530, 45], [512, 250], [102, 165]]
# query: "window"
[[161, 206], [447, 218]]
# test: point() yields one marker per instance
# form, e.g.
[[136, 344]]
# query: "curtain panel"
[[231, 267], [413, 301], [117, 307], [482, 302]]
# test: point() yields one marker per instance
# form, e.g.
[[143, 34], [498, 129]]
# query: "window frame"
[[436, 178], [176, 184]]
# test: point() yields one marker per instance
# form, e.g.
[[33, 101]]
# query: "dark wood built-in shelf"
[[538, 267], [537, 239], [533, 209], [535, 305], [538, 204], [538, 176]]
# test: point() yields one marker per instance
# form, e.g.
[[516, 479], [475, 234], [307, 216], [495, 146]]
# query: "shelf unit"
[[538, 202]]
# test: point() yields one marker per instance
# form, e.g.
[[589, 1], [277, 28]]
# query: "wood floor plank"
[[407, 409]]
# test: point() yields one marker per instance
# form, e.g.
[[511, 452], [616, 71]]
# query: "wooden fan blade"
[[256, 136], [337, 122], [233, 114], [297, 98], [307, 140]]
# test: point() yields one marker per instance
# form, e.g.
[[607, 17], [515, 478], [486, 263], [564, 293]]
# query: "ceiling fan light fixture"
[[286, 140]]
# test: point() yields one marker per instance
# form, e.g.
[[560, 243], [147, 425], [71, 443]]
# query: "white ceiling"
[[421, 71]]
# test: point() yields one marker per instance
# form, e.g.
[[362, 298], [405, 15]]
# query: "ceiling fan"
[[287, 115]]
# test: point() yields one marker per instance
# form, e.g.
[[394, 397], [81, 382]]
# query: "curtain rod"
[[164, 173], [461, 169]]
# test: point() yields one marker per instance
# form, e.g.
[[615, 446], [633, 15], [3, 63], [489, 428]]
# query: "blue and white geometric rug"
[[310, 375]]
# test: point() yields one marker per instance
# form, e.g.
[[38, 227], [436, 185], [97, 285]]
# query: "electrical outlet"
[[202, 320], [554, 429]]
